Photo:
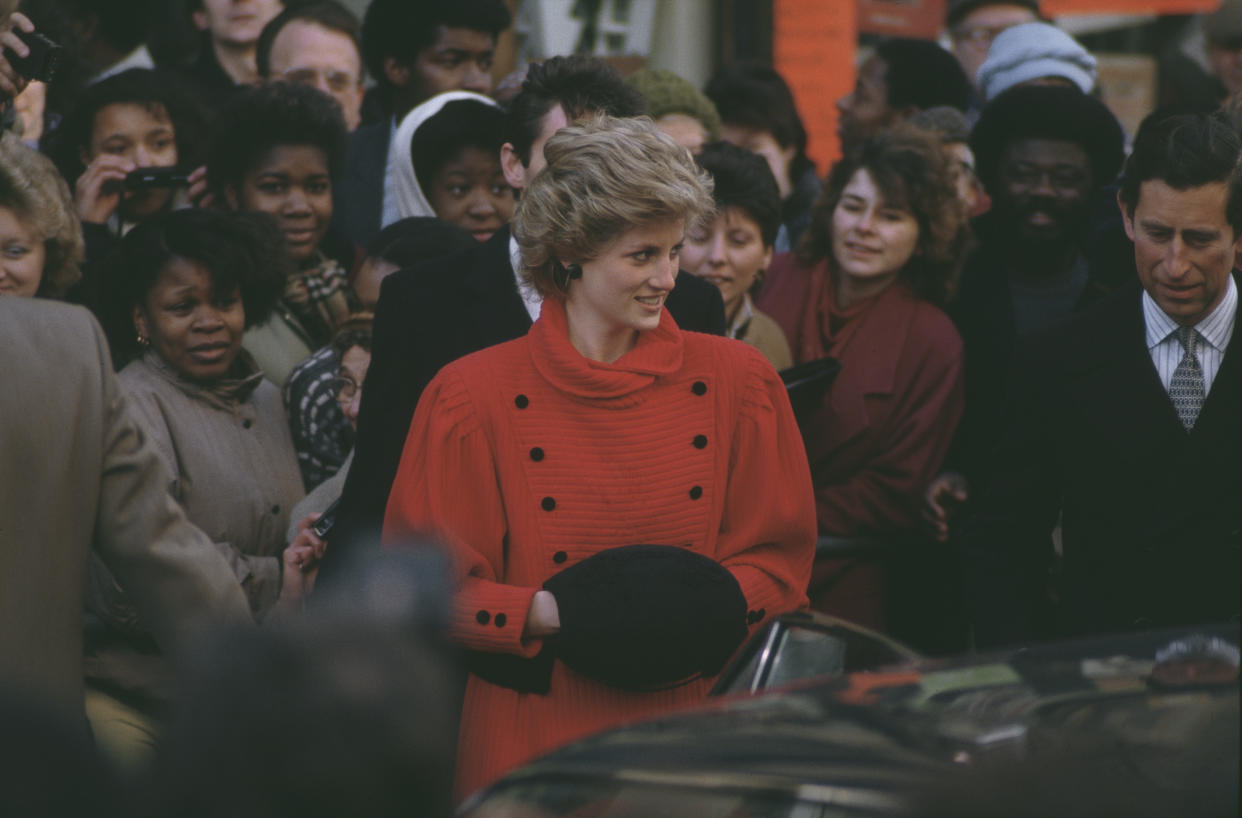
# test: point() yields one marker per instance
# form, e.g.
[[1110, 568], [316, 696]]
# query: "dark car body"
[[1136, 724]]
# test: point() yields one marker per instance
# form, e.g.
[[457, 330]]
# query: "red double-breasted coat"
[[527, 458]]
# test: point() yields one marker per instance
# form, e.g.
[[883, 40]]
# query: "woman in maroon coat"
[[866, 288], [623, 501]]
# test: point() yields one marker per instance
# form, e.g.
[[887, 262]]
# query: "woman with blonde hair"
[[40, 236], [622, 501]]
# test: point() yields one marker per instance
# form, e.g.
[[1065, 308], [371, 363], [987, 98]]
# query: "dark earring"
[[574, 272]]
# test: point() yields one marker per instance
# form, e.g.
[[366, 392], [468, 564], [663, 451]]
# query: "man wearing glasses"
[[317, 44], [973, 24]]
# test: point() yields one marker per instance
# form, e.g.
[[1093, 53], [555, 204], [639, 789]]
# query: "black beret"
[[646, 617]]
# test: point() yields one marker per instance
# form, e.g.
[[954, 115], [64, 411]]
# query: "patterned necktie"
[[1186, 388]]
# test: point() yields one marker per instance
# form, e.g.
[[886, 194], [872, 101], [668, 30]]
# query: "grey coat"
[[75, 469]]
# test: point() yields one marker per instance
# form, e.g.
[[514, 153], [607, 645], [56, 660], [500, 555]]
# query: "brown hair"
[[911, 172]]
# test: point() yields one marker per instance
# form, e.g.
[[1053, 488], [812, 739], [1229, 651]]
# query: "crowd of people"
[[605, 356]]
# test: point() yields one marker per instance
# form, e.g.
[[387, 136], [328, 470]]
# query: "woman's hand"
[[12, 83], [543, 618], [945, 496], [199, 194], [98, 191], [299, 564]]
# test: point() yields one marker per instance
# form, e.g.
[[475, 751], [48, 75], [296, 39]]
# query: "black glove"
[[646, 617]]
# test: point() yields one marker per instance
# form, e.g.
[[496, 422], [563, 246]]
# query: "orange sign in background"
[[813, 49], [1054, 8], [902, 18]]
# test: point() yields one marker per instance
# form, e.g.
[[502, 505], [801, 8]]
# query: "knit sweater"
[[526, 458]]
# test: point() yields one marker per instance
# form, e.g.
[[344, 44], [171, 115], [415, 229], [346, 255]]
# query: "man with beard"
[[1121, 425], [1041, 152]]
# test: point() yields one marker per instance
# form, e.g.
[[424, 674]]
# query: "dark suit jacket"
[[983, 314], [431, 315], [360, 194], [1150, 514]]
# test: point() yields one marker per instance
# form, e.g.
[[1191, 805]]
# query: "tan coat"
[[230, 463], [74, 467]]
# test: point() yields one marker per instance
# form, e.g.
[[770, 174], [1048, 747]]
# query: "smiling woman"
[[866, 288], [181, 289], [451, 169], [278, 149], [623, 501]]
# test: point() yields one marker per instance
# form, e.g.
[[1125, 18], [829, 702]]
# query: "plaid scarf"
[[320, 297]]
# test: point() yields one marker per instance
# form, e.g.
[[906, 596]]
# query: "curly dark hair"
[[157, 91], [273, 115], [744, 180], [911, 172], [403, 28], [1048, 112], [580, 84], [240, 250]]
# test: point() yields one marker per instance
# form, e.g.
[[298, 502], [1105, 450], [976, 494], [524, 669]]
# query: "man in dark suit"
[[1124, 423], [414, 50], [432, 314]]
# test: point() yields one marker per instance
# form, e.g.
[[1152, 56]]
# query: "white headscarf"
[[409, 193]]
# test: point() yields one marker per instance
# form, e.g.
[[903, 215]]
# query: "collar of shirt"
[[737, 330], [1216, 328], [531, 298]]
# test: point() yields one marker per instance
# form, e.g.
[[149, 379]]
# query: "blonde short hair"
[[603, 178], [33, 189]]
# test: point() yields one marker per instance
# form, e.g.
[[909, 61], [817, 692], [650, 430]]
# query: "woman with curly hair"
[[40, 236], [179, 292], [866, 287], [623, 502]]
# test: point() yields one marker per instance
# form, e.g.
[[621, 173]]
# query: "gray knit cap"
[[1031, 51]]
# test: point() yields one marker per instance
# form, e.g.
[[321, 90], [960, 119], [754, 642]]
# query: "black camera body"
[[155, 177], [41, 63]]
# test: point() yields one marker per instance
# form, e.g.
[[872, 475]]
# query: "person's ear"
[[397, 72], [1127, 218], [511, 164], [141, 329], [767, 258], [201, 21], [231, 198]]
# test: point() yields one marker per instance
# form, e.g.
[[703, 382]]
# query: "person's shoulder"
[[45, 319], [438, 276], [931, 324], [735, 363]]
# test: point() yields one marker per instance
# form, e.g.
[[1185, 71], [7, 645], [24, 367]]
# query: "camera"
[[41, 63]]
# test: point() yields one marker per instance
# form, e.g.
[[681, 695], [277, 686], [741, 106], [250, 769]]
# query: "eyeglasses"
[[337, 81], [345, 388]]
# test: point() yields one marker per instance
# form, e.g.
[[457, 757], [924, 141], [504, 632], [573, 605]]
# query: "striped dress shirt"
[[1216, 330]]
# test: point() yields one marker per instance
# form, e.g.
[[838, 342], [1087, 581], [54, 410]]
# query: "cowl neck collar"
[[237, 387], [657, 353]]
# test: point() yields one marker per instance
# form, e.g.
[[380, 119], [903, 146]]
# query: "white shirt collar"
[[530, 296], [1216, 327]]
